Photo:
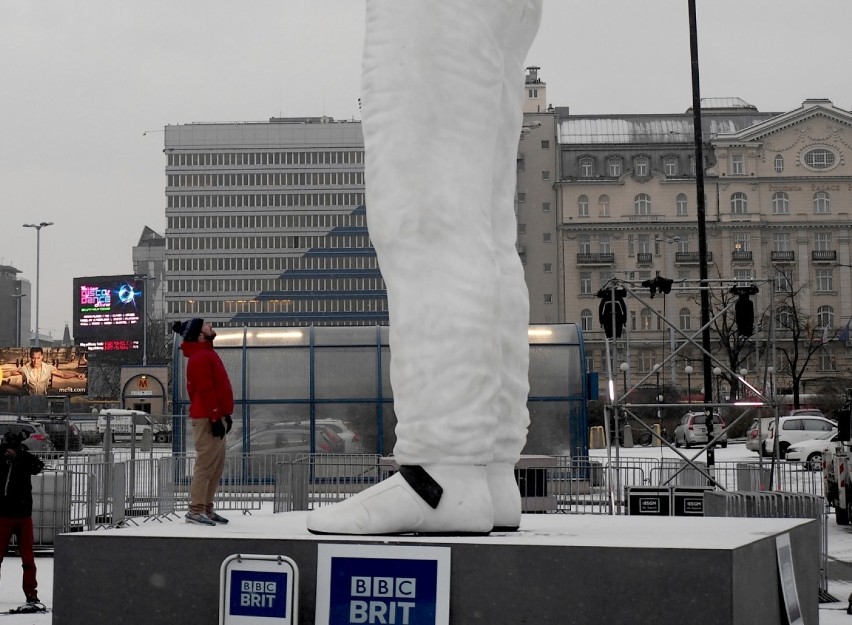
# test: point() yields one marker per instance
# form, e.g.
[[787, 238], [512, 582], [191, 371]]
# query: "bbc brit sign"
[[258, 590], [382, 585]]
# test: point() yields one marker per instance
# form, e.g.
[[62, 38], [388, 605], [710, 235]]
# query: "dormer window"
[[641, 165], [587, 167], [737, 165], [614, 167]]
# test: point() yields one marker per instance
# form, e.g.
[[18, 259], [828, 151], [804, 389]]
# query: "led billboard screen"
[[108, 313]]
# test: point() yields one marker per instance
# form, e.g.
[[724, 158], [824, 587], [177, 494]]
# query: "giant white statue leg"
[[433, 109], [513, 313]]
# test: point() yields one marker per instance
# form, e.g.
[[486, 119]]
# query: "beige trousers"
[[209, 465]]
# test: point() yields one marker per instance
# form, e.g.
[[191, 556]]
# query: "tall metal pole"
[[700, 202], [698, 135], [38, 228]]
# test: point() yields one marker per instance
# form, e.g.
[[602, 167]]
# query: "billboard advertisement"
[[43, 371], [109, 313]]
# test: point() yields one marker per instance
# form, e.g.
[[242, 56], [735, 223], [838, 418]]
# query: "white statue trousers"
[[443, 87]]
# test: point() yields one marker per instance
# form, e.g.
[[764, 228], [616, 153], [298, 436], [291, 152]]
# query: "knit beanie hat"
[[189, 330]]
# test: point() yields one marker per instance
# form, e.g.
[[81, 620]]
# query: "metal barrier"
[[51, 506], [91, 490], [576, 485], [320, 479], [774, 505]]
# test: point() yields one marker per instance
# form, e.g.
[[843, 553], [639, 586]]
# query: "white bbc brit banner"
[[258, 590], [382, 584]]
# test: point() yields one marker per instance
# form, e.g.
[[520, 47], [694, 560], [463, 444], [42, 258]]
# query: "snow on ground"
[[839, 547]]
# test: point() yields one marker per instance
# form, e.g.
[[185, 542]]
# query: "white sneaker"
[[393, 507]]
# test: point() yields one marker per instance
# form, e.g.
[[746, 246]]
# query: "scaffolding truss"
[[618, 405]]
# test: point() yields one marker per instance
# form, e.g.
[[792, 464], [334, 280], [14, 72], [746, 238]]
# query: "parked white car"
[[795, 429], [759, 428], [811, 452]]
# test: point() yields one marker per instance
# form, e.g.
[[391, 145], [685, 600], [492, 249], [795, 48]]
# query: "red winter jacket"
[[207, 383]]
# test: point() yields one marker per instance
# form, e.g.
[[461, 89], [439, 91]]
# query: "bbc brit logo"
[[383, 600], [258, 593], [366, 585]]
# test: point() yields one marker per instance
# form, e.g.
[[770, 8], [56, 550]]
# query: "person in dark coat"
[[17, 466]]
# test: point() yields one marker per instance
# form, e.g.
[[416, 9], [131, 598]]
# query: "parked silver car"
[[692, 430], [757, 433]]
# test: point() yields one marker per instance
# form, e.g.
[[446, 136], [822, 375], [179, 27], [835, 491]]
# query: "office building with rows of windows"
[[778, 190], [266, 225]]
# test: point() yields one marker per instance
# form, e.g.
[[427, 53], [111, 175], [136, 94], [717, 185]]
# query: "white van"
[[123, 422]]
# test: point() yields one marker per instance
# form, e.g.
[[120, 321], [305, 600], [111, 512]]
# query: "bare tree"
[[104, 371], [159, 341], [799, 336]]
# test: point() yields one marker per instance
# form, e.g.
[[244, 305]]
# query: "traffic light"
[[744, 309], [612, 311]]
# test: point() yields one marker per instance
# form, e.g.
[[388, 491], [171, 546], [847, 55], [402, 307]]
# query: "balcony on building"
[[691, 258], [783, 257], [741, 256], [598, 258], [644, 258], [823, 256]]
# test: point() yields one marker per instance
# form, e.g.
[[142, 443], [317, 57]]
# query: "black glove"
[[217, 428], [229, 423]]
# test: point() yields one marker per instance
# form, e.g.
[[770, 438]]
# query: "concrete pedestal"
[[557, 569]]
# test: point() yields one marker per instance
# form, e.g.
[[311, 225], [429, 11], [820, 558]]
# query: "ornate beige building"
[[778, 192]]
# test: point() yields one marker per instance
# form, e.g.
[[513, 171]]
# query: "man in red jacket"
[[211, 402]]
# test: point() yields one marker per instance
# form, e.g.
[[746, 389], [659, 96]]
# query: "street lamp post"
[[625, 367], [656, 369], [38, 228], [688, 370]]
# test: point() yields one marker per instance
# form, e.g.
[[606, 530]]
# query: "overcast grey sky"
[[81, 82]]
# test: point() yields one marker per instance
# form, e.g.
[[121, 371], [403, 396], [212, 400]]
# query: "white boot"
[[393, 507], [505, 496]]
